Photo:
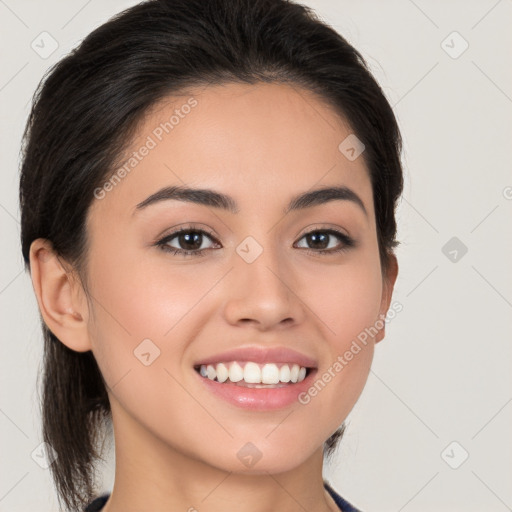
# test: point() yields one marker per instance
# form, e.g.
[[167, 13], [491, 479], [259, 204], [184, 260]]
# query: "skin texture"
[[176, 443]]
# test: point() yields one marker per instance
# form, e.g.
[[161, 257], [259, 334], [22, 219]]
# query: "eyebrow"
[[208, 197]]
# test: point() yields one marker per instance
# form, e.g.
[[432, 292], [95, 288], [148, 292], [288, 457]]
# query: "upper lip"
[[260, 355]]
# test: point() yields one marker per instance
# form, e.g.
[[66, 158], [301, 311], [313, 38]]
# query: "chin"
[[263, 456]]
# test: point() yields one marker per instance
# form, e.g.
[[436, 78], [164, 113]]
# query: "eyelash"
[[347, 242]]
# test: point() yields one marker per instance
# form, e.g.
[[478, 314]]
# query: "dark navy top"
[[97, 504]]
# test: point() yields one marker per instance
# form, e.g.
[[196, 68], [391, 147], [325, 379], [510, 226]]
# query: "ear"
[[387, 293], [61, 298]]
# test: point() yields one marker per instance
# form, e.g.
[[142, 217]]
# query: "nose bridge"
[[260, 264], [261, 284]]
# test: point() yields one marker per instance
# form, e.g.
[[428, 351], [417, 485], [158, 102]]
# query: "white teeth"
[[222, 372], [284, 373], [210, 372], [270, 374], [254, 373], [294, 373], [236, 373]]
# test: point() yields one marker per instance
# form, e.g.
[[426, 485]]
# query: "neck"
[[151, 475]]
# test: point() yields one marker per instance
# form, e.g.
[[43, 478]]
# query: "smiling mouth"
[[254, 375]]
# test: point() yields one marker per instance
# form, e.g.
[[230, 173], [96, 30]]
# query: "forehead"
[[254, 142]]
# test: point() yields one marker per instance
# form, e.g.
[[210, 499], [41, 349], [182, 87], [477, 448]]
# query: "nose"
[[262, 293]]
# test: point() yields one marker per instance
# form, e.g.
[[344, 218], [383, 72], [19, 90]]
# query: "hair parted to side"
[[84, 114]]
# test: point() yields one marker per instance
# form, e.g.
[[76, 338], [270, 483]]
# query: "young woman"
[[208, 192]]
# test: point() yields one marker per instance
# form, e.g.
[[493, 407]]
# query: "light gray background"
[[443, 373]]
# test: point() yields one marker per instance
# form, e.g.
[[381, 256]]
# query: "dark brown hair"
[[85, 112]]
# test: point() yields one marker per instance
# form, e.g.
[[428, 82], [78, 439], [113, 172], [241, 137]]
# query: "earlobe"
[[60, 297], [387, 293]]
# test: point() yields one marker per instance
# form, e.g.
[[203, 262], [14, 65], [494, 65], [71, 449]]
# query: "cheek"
[[347, 302], [143, 304], [145, 297], [131, 305], [345, 298]]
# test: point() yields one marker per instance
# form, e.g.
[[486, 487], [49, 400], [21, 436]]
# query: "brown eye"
[[324, 241], [185, 241]]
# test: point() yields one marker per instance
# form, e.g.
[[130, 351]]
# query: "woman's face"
[[260, 286]]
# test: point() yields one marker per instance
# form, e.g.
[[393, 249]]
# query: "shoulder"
[[343, 504], [97, 504]]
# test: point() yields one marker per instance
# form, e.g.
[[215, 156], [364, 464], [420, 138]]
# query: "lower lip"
[[258, 399]]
